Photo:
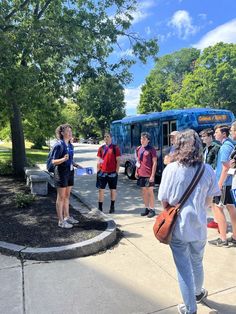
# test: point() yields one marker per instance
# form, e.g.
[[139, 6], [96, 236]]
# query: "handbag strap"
[[191, 186]]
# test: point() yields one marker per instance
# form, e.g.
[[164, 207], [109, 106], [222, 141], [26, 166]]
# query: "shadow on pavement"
[[131, 235], [221, 308]]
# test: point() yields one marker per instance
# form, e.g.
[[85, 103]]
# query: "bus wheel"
[[130, 170]]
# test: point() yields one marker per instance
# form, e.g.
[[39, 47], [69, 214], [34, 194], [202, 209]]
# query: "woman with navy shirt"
[[62, 159]]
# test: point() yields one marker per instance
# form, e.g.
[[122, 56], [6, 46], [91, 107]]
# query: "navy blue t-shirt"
[[59, 151]]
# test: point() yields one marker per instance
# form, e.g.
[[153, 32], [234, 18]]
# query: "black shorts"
[[225, 197], [63, 177], [143, 182], [104, 178]]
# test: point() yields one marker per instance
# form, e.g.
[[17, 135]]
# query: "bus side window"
[[173, 126], [135, 135], [153, 129], [165, 133]]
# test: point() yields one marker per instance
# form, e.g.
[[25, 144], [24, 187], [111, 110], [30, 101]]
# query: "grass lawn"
[[35, 155]]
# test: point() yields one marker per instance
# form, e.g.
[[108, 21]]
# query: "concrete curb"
[[85, 248]]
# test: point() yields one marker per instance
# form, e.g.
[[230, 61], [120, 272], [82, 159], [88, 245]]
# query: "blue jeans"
[[188, 260]]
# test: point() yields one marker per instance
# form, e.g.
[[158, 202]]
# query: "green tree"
[[71, 114], [213, 81], [48, 46], [166, 79], [101, 100], [41, 123]]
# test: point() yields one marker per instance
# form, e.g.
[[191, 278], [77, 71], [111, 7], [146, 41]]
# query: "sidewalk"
[[137, 276]]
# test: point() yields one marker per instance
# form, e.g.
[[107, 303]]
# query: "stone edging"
[[85, 248]]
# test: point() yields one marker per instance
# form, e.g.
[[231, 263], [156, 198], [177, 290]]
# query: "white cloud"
[[164, 37], [142, 11], [126, 53], [123, 53], [132, 97], [181, 21], [203, 16], [225, 32], [138, 16]]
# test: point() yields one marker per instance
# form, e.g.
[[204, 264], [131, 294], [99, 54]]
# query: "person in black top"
[[211, 149], [62, 159], [210, 153]]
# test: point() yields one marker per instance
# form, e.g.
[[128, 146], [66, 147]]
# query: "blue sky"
[[178, 24]]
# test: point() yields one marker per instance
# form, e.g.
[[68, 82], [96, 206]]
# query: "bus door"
[[167, 128]]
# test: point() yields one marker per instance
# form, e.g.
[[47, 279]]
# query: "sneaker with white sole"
[[71, 220], [182, 309], [231, 241], [202, 295], [64, 224], [219, 242]]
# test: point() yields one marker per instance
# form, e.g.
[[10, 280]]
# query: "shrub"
[[30, 163], [6, 167], [24, 200]]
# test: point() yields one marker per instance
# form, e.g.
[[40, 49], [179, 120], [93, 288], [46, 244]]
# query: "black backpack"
[[50, 166]]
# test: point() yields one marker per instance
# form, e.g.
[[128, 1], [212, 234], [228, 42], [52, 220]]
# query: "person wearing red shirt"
[[108, 165], [145, 173]]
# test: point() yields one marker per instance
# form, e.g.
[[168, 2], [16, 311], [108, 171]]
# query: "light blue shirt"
[[224, 156], [192, 221]]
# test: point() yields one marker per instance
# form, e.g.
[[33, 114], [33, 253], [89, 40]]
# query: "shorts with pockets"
[[143, 182], [225, 198], [63, 177], [104, 178]]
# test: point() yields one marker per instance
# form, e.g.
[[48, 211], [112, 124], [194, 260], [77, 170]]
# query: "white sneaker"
[[64, 224], [71, 220], [181, 309]]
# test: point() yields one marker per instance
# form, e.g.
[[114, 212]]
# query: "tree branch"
[[21, 7], [36, 10], [44, 8]]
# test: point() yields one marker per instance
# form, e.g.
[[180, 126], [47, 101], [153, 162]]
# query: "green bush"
[[24, 200], [6, 167], [30, 163]]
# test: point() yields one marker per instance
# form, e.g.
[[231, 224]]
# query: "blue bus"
[[126, 132]]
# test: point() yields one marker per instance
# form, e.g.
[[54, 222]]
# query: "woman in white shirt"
[[190, 233]]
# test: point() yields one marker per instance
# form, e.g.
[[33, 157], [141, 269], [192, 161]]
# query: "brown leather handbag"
[[166, 220]]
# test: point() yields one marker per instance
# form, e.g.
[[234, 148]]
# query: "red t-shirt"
[[106, 153], [145, 169]]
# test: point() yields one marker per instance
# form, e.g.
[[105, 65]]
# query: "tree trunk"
[[18, 142]]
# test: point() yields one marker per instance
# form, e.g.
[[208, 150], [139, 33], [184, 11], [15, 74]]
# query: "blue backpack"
[[49, 164]]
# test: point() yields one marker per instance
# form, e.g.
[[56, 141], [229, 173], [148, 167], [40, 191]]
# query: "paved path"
[[135, 277]]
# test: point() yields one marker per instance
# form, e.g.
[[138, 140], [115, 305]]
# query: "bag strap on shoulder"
[[113, 149], [191, 187]]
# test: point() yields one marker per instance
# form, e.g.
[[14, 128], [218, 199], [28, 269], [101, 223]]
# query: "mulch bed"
[[36, 225]]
